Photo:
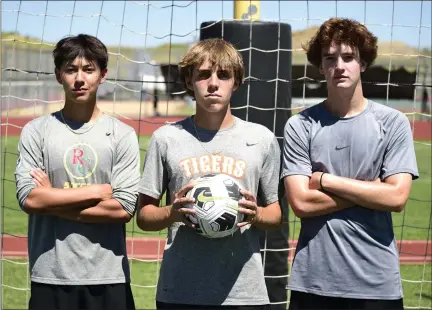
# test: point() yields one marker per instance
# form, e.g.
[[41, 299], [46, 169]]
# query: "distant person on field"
[[155, 68], [155, 100], [425, 107], [348, 163], [76, 176], [198, 272]]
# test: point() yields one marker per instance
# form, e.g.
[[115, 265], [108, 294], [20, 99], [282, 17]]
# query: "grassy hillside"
[[166, 53], [384, 49]]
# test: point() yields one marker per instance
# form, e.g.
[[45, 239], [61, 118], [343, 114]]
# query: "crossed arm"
[[90, 204], [309, 197]]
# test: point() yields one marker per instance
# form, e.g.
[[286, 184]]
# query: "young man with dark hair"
[[198, 272], [77, 176], [348, 162]]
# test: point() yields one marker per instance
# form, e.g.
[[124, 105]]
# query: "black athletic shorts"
[[303, 301], [77, 297], [163, 305]]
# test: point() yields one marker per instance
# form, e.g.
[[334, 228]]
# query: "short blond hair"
[[218, 52]]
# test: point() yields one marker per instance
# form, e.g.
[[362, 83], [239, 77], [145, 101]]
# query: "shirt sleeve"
[[269, 180], [400, 155], [154, 178], [126, 172], [296, 159], [30, 156]]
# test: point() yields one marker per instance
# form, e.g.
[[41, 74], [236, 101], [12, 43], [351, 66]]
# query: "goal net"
[[146, 39]]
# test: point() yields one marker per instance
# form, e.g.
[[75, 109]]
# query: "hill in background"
[[406, 55]]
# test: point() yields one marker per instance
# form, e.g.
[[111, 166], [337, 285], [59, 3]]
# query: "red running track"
[[411, 251], [12, 126], [152, 248]]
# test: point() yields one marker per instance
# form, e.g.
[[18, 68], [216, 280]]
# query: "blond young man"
[[77, 177], [348, 162], [197, 272]]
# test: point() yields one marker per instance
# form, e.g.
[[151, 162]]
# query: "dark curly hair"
[[342, 31]]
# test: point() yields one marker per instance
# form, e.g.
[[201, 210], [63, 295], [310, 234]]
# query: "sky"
[[147, 25]]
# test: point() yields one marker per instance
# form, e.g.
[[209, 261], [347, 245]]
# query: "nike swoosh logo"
[[251, 143], [203, 198], [341, 147]]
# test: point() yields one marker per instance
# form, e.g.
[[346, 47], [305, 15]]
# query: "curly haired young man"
[[348, 162]]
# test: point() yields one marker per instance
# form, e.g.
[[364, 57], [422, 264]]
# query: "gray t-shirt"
[[195, 269], [67, 252], [351, 253]]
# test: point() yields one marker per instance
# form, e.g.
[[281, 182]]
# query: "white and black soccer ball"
[[216, 204]]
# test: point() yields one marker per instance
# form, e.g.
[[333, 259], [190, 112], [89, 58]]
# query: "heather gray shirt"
[[196, 269], [66, 252], [351, 253]]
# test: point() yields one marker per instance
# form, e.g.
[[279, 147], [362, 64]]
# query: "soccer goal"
[[146, 39]]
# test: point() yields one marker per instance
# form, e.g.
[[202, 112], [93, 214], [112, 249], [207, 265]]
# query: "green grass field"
[[15, 284], [413, 223]]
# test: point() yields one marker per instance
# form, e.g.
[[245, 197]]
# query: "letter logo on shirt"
[[80, 161]]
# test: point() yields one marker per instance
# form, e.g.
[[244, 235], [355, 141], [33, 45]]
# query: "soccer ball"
[[216, 204]]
